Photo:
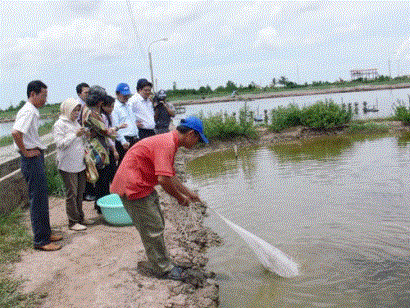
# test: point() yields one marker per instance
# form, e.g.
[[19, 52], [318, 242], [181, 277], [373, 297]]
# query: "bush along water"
[[325, 115], [402, 113], [321, 115], [285, 117], [223, 126]]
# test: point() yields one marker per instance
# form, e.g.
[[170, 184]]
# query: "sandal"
[[176, 273]]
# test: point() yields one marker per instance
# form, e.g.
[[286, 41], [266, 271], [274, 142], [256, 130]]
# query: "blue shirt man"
[[123, 113]]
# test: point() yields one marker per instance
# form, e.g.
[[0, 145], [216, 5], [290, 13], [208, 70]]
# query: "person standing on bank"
[[163, 112], [82, 90], [98, 140], [148, 163], [123, 113], [28, 143], [144, 111], [68, 135]]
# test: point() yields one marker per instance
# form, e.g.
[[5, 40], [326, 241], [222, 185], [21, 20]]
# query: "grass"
[[367, 128], [55, 183], [14, 238]]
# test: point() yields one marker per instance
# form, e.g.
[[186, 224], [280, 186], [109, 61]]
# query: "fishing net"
[[270, 257]]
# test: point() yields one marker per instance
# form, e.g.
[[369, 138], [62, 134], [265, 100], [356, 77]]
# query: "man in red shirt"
[[148, 163]]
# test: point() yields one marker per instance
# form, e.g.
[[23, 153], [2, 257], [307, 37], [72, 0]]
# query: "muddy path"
[[99, 267]]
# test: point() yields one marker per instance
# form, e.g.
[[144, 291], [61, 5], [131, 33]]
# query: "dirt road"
[[99, 267]]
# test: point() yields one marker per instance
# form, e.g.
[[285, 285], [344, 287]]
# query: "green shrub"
[[402, 113], [224, 127], [55, 183], [285, 117], [324, 115]]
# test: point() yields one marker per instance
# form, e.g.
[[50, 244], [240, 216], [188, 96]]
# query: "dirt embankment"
[[99, 267]]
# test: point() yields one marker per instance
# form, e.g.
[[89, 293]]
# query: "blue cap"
[[195, 124], [123, 89]]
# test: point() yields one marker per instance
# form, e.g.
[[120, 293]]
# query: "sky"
[[104, 43]]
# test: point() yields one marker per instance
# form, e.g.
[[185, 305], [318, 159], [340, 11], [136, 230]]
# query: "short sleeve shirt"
[[27, 122], [149, 158]]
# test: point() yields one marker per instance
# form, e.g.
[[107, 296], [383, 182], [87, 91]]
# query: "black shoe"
[[97, 208], [89, 198]]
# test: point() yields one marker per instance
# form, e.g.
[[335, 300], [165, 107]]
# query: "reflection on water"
[[338, 205]]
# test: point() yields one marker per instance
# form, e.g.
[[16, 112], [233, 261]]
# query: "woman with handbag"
[[68, 135], [98, 143]]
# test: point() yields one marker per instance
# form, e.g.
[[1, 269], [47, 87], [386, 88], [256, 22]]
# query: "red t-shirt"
[[138, 172]]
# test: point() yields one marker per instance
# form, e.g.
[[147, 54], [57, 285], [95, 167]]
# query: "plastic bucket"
[[113, 210]]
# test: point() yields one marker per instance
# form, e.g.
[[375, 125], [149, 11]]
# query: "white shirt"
[[123, 113], [27, 122], [144, 110], [70, 147]]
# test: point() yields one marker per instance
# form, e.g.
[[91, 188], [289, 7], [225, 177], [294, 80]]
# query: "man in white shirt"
[[82, 90], [28, 143], [143, 108], [123, 113]]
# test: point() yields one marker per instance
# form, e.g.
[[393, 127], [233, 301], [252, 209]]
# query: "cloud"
[[266, 37], [171, 12], [82, 7], [309, 7], [404, 50], [82, 38]]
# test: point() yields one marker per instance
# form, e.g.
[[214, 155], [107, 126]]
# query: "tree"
[[283, 81], [174, 85], [230, 86], [273, 82]]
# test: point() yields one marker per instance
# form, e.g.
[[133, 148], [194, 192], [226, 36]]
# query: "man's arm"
[[176, 189], [18, 139], [170, 109]]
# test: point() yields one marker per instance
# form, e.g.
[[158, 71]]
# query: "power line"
[[134, 25]]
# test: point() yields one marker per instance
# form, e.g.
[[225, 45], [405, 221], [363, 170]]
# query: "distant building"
[[368, 74]]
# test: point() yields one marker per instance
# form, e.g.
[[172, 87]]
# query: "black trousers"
[[120, 149], [144, 133]]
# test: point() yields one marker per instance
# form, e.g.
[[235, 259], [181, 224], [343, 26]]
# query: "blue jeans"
[[34, 172]]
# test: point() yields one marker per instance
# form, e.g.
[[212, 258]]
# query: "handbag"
[[91, 169]]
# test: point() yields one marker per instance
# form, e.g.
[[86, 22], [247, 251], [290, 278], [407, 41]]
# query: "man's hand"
[[32, 153], [126, 146], [81, 132], [183, 201], [194, 197]]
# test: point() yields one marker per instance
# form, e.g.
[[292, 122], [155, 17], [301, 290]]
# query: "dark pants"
[[147, 217], [34, 172], [144, 133], [74, 183], [121, 151]]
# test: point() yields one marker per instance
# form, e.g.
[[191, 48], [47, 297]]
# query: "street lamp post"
[[150, 60]]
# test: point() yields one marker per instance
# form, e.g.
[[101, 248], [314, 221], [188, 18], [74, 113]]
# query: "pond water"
[[7, 127], [339, 206], [382, 99]]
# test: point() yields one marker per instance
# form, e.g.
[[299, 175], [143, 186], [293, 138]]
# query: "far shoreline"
[[290, 93]]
